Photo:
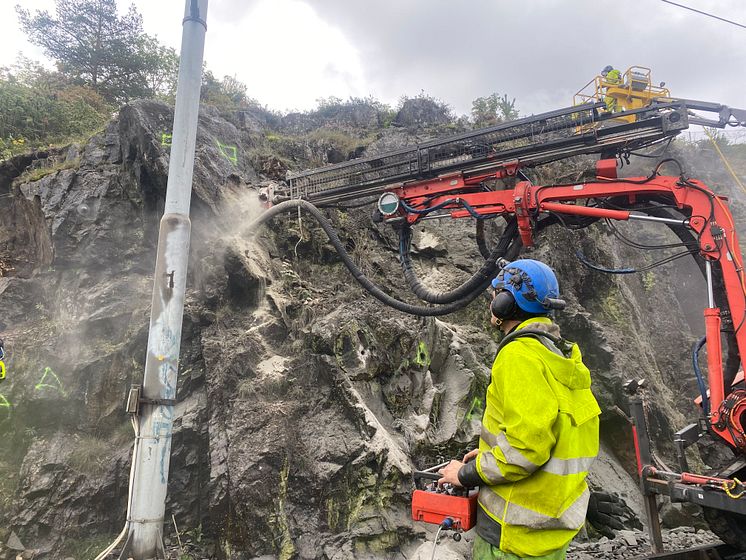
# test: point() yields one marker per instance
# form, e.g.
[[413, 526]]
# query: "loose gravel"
[[636, 544]]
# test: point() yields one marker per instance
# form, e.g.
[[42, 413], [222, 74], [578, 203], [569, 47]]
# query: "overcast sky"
[[292, 52]]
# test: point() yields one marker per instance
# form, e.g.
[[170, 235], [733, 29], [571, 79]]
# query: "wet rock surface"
[[304, 403]]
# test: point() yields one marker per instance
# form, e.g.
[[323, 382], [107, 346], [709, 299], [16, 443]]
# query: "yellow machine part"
[[634, 91], [2, 370]]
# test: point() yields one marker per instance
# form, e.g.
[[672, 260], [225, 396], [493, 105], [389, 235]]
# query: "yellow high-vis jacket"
[[614, 77], [539, 437]]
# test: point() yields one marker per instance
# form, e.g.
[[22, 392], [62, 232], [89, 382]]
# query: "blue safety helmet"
[[607, 69], [532, 284]]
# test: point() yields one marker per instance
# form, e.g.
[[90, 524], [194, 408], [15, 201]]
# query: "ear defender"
[[503, 305]]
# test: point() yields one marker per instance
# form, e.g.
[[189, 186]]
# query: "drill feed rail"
[[530, 141]]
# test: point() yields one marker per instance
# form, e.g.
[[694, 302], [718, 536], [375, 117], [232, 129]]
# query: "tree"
[[493, 109], [93, 44], [235, 89], [226, 94], [160, 67], [211, 91], [34, 75]]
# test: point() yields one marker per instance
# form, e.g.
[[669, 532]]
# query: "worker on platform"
[[539, 431], [611, 76]]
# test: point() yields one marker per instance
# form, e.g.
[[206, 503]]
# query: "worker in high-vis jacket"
[[611, 75], [539, 431], [2, 363]]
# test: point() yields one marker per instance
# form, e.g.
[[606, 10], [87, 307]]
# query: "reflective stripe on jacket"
[[539, 438]]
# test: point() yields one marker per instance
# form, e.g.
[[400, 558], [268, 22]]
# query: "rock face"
[[422, 111], [304, 404]]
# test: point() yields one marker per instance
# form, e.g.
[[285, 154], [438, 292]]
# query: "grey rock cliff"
[[304, 404]]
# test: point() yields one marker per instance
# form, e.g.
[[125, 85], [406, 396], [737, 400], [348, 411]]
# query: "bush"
[[45, 108], [493, 109], [90, 455]]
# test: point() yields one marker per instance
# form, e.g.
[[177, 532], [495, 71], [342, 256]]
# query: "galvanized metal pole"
[[155, 403]]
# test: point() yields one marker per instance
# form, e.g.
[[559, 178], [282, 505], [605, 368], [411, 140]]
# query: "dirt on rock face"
[[304, 403]]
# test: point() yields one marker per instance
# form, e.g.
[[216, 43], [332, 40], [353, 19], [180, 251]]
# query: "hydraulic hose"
[[686, 236], [732, 356], [698, 374], [485, 273], [365, 282], [482, 240]]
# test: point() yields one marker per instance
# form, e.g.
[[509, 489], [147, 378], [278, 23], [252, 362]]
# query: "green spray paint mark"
[[6, 405], [476, 405], [230, 152], [52, 383], [423, 356], [166, 139]]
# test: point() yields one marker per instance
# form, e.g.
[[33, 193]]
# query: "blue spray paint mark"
[[167, 379], [163, 429], [166, 411]]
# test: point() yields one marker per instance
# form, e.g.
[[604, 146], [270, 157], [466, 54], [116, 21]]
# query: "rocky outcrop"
[[304, 404], [422, 111]]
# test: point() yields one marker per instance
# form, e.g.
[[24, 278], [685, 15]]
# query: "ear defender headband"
[[505, 305]]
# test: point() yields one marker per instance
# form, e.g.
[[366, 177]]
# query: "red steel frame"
[[710, 220]]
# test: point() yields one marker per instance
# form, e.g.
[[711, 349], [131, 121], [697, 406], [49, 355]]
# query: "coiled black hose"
[[485, 273], [373, 289]]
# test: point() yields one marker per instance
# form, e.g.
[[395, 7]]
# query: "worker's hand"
[[608, 512], [450, 473], [470, 455]]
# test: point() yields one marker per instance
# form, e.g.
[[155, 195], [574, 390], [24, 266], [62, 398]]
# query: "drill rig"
[[480, 175]]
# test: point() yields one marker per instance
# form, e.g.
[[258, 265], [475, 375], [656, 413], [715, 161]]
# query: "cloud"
[[540, 51], [285, 53], [291, 52]]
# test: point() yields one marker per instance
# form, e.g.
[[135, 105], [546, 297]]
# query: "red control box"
[[434, 507]]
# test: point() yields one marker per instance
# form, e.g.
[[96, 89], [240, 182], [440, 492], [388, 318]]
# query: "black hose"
[[482, 240], [732, 356], [698, 374], [373, 289], [585, 262], [687, 237], [485, 273]]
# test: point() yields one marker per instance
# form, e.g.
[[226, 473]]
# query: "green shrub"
[[45, 109], [41, 172], [90, 455]]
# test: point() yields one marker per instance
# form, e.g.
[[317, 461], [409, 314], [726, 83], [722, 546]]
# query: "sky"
[[290, 53]]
